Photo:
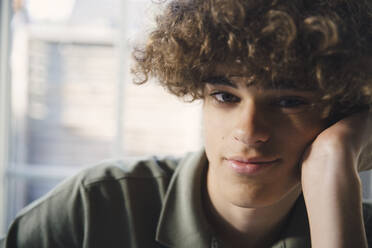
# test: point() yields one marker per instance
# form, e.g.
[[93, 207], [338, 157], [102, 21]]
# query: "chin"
[[256, 202], [261, 197]]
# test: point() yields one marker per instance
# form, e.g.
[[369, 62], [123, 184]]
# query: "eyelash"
[[291, 101], [216, 95]]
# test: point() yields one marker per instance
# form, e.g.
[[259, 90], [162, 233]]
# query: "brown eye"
[[225, 97], [290, 102]]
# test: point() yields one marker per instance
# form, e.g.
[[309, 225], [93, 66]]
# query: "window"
[[4, 105], [72, 99]]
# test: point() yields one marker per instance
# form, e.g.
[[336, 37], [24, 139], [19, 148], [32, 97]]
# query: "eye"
[[291, 102], [224, 97]]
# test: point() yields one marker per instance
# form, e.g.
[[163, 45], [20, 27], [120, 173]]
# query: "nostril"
[[252, 140]]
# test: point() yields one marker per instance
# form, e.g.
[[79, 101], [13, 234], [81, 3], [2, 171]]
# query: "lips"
[[254, 160], [250, 166]]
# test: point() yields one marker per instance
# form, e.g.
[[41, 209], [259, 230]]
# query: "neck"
[[240, 226]]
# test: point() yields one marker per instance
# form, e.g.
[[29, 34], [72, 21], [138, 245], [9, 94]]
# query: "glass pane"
[[64, 78], [70, 109], [366, 177], [67, 107]]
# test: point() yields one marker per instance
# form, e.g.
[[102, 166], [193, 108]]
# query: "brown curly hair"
[[324, 45]]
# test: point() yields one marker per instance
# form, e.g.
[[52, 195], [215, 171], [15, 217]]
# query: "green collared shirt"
[[138, 204]]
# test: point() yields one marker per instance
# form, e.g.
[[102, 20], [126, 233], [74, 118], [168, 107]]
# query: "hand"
[[331, 184], [345, 143]]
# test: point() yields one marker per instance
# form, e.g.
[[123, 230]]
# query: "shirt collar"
[[297, 231], [183, 224]]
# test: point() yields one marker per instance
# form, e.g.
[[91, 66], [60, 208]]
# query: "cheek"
[[298, 131], [212, 129], [216, 130], [308, 126]]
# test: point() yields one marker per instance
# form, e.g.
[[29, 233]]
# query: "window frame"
[[5, 37]]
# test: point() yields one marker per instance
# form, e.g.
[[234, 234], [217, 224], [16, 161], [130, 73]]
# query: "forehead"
[[251, 81], [238, 75]]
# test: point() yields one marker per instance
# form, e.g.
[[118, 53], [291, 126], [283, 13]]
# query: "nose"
[[252, 127]]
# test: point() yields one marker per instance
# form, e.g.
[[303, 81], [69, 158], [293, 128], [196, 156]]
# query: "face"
[[254, 139]]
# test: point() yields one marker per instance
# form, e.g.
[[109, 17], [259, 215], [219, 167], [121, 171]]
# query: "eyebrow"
[[278, 85], [290, 85], [220, 80]]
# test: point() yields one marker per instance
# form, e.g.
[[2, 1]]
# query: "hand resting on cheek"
[[331, 184]]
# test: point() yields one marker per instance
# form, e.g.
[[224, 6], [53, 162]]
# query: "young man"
[[286, 87]]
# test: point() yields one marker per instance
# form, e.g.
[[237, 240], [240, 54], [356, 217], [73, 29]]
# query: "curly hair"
[[325, 45]]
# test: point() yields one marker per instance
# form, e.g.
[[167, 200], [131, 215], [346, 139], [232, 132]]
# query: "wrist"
[[331, 172], [332, 188], [335, 214]]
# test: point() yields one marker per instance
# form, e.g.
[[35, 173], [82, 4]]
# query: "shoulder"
[[129, 168], [123, 171], [107, 198]]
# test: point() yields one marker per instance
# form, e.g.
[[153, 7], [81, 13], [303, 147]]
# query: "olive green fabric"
[[146, 203]]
